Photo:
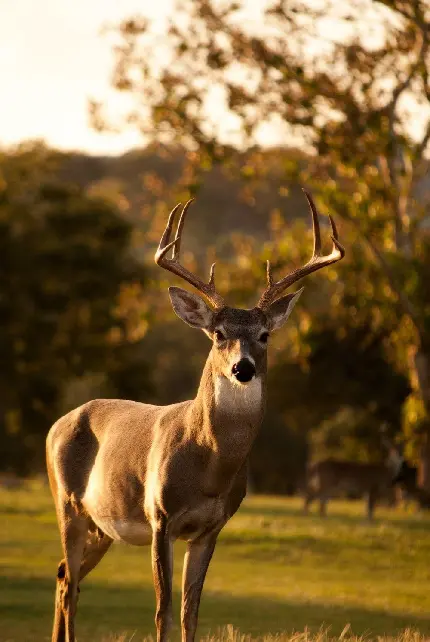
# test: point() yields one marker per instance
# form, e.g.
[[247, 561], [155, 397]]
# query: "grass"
[[274, 572]]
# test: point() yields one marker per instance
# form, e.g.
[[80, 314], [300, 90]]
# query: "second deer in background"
[[331, 477]]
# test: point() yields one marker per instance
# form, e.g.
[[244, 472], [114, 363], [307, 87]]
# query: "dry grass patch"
[[230, 634]]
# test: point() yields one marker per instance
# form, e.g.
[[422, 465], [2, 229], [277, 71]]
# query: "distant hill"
[[222, 204]]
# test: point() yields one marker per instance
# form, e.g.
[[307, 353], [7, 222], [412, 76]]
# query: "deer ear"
[[191, 308], [279, 311]]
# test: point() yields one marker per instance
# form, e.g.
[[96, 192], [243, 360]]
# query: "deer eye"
[[263, 337], [219, 335]]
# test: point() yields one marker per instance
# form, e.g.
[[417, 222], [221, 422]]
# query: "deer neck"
[[229, 416]]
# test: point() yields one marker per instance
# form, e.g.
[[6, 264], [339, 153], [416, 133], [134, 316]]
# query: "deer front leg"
[[371, 501], [162, 570], [196, 562]]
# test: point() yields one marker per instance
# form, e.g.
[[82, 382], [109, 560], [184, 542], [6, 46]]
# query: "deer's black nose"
[[243, 370]]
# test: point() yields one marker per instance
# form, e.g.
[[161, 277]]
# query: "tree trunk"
[[422, 382], [424, 472]]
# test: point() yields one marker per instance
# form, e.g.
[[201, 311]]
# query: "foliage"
[[351, 82], [65, 262], [351, 433], [335, 403]]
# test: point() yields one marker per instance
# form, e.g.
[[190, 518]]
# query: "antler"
[[173, 265], [274, 290]]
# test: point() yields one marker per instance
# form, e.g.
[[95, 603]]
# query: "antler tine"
[[315, 224], [165, 245], [173, 265], [212, 276], [316, 228], [274, 290], [178, 238]]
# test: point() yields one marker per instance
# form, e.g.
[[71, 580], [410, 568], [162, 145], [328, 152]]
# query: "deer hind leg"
[[95, 548], [196, 562], [74, 531], [323, 505], [59, 629], [371, 501], [309, 497]]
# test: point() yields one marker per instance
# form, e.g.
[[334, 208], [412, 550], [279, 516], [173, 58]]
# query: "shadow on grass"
[[26, 609]]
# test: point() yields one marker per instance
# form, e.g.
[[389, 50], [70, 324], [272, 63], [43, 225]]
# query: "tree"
[[352, 81], [64, 258]]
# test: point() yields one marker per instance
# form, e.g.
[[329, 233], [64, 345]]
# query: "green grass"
[[274, 570]]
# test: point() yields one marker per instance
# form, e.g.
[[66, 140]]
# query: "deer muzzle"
[[243, 370]]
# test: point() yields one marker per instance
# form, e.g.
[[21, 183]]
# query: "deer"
[[149, 475], [330, 477]]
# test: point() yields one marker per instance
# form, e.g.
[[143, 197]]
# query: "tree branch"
[[426, 87], [400, 232], [424, 141]]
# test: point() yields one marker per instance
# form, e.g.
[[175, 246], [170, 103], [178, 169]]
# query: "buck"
[[330, 477], [143, 474]]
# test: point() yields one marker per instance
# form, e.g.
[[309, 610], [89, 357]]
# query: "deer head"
[[239, 337]]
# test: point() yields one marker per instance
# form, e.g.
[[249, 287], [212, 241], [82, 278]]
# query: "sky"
[[53, 58]]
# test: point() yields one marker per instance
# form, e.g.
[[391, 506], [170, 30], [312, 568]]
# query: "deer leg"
[[323, 505], [59, 628], [73, 529], [371, 501], [162, 569], [94, 551], [309, 497], [196, 562]]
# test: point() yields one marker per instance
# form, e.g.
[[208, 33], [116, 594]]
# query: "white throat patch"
[[235, 398]]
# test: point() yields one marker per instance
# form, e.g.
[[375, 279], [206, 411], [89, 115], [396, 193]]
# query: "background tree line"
[[85, 312], [82, 309]]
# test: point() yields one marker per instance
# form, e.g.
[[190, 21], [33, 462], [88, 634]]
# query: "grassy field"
[[274, 571]]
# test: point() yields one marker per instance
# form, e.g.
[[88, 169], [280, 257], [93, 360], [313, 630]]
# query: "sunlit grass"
[[274, 571], [230, 634]]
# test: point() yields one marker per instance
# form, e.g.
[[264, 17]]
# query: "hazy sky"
[[52, 59]]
